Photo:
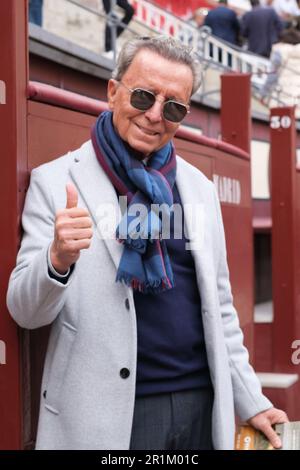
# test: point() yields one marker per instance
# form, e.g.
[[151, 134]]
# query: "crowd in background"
[[270, 29], [257, 29]]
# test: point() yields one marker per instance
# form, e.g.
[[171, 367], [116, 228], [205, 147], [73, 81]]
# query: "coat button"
[[124, 373], [45, 393], [127, 304]]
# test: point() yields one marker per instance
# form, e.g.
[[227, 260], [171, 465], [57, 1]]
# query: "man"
[[287, 10], [145, 349], [128, 14], [285, 60], [198, 17], [223, 23], [261, 26], [36, 12]]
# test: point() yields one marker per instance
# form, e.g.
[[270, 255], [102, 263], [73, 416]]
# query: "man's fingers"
[[78, 234], [281, 418], [72, 196], [77, 245], [81, 222], [271, 436], [69, 220], [74, 212], [264, 421]]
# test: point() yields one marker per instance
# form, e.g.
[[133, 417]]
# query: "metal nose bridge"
[[161, 100], [156, 110]]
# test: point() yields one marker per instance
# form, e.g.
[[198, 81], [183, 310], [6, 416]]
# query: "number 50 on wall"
[[277, 122]]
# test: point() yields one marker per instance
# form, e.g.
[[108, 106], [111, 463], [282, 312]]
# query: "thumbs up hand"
[[73, 232]]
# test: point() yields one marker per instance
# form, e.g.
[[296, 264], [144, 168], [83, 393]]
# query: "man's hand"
[[73, 232], [264, 421]]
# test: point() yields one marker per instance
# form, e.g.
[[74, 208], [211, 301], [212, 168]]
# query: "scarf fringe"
[[153, 287]]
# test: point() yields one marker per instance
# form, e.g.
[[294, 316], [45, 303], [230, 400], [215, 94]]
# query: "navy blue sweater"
[[171, 349]]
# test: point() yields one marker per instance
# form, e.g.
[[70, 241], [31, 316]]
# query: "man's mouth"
[[147, 131]]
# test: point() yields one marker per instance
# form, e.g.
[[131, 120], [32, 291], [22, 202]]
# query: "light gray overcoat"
[[88, 404]]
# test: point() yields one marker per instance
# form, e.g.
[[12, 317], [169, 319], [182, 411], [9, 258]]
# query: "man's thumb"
[[72, 196]]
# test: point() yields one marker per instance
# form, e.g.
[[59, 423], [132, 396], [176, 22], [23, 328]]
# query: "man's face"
[[147, 131]]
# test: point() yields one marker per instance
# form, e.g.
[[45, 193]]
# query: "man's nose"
[[154, 114]]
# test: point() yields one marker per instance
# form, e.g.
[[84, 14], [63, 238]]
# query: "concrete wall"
[[82, 27]]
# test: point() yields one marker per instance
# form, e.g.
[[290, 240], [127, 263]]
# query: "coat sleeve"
[[34, 299], [248, 397]]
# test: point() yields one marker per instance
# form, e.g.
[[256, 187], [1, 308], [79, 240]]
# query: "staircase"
[[83, 22]]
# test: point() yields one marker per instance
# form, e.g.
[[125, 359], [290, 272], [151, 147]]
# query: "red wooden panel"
[[285, 237], [70, 128], [262, 220], [231, 175], [196, 155], [13, 40], [61, 76], [236, 125], [263, 347], [286, 399], [235, 110]]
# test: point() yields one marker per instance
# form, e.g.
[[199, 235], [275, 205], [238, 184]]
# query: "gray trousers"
[[173, 421]]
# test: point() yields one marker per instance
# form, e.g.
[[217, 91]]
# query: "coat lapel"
[[194, 201], [100, 197]]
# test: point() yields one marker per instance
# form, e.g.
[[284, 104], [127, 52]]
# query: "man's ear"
[[111, 93]]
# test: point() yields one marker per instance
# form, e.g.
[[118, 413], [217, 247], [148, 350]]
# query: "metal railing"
[[213, 52]]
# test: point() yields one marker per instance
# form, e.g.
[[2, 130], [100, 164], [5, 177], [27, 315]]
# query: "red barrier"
[[49, 94], [285, 194], [13, 36], [236, 110]]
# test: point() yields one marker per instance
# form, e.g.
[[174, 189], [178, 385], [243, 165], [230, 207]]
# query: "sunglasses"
[[144, 99]]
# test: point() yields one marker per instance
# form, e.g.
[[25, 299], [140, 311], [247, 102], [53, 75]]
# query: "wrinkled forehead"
[[152, 70]]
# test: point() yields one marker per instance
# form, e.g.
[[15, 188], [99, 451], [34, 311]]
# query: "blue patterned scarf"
[[145, 264]]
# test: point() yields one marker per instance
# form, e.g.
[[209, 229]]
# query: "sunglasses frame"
[[132, 90]]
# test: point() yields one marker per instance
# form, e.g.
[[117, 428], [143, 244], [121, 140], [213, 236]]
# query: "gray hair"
[[166, 47]]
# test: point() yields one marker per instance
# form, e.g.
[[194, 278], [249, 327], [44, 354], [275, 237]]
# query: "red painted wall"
[[181, 7]]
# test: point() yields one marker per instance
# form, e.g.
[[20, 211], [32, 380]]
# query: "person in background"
[[36, 12], [129, 12], [287, 10], [223, 22], [198, 17], [262, 27], [197, 21], [285, 59]]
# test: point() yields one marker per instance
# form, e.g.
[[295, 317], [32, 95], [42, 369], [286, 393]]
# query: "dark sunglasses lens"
[[142, 99], [174, 112]]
